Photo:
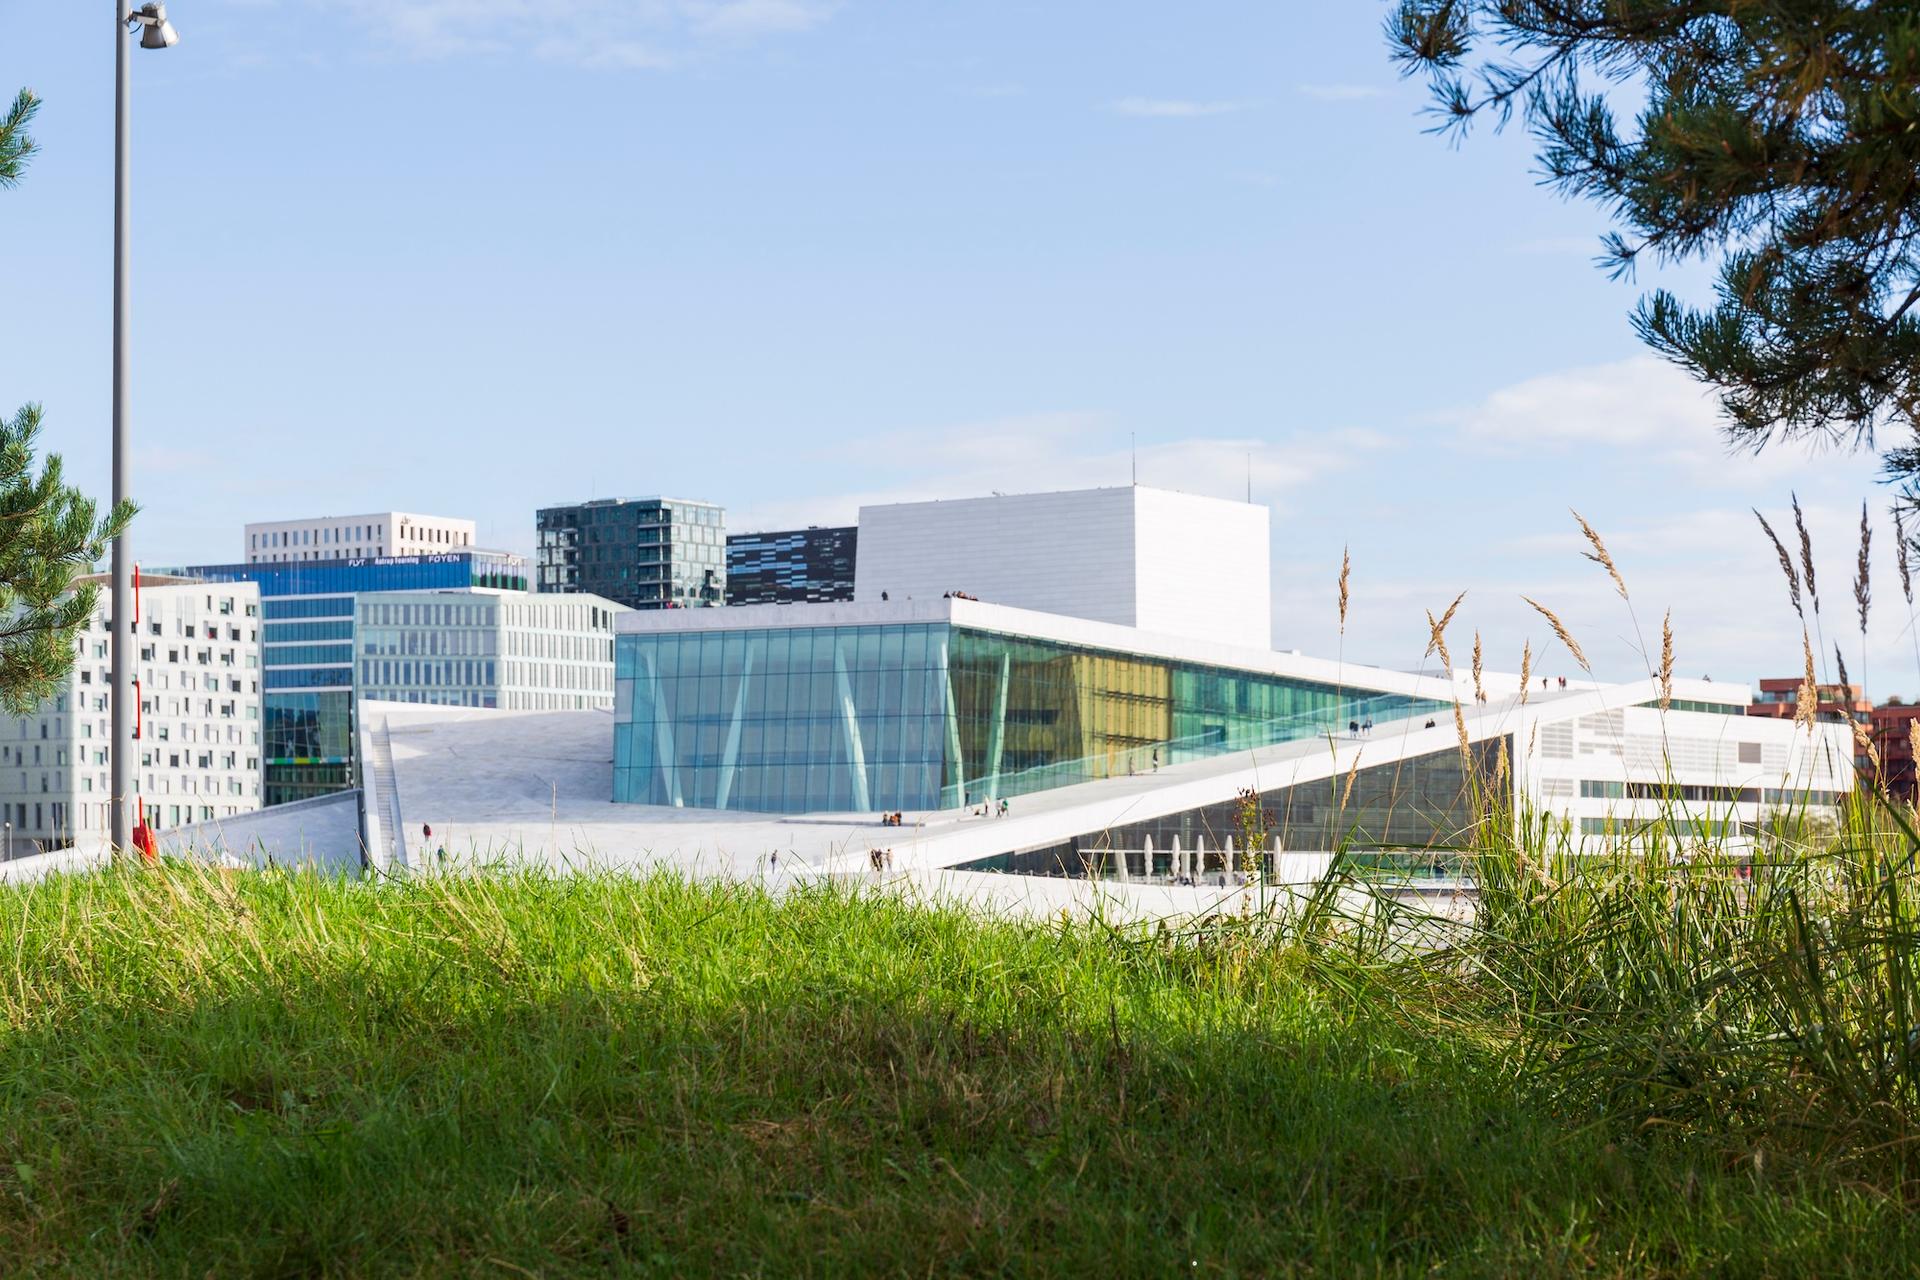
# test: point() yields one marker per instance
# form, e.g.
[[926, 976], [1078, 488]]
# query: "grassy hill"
[[241, 1074]]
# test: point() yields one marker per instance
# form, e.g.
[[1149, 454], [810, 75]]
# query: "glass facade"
[[792, 567], [307, 683], [645, 553], [1423, 804], [929, 715]]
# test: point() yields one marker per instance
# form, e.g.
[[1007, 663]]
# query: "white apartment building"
[[383, 533], [1169, 563], [508, 649], [198, 674]]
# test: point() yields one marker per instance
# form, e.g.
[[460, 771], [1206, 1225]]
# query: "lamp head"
[[155, 31]]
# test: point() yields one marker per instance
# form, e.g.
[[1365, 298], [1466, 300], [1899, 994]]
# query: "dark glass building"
[[307, 651], [794, 566], [645, 553]]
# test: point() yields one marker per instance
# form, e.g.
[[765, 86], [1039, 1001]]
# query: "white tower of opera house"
[[198, 668], [1176, 564]]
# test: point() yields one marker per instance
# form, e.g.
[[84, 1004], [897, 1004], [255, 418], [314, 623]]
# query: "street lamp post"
[[155, 33]]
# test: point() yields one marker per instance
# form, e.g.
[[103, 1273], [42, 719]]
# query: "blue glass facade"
[[929, 715], [308, 732]]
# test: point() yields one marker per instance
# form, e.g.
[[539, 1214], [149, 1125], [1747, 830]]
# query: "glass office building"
[[925, 715], [307, 651], [645, 553], [793, 566]]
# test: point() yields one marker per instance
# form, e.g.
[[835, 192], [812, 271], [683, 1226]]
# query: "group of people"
[[957, 595], [1360, 728], [880, 859], [990, 809], [1562, 679], [892, 819]]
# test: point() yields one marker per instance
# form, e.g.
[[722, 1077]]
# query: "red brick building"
[[1892, 729]]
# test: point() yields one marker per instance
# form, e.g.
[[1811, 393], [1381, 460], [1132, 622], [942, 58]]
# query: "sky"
[[795, 255]]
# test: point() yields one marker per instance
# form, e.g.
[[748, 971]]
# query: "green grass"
[[511, 1075]]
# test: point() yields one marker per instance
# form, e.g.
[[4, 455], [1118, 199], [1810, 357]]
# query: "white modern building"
[[1048, 743], [1168, 563], [930, 706], [381, 533], [198, 676], [505, 649]]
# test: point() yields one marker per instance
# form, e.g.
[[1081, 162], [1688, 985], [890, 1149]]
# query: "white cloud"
[[1642, 411], [1171, 108], [1629, 403], [1338, 92], [1033, 453], [594, 33]]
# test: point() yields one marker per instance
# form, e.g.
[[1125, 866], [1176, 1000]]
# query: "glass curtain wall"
[[1425, 804], [930, 716]]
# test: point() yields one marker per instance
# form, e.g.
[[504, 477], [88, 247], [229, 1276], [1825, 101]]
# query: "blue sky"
[[792, 255]]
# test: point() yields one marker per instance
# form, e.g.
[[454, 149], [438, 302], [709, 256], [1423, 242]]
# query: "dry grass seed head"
[[1437, 631], [1840, 661], [1353, 772], [1526, 669], [1807, 701], [1479, 690], [1560, 630], [1863, 743], [1666, 661], [1806, 552], [1599, 554], [1900, 555], [1786, 565], [1437, 640], [1346, 567], [1862, 582]]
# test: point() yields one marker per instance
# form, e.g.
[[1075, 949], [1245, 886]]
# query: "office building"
[[510, 650], [199, 728], [644, 553], [1172, 563], [382, 533], [813, 565], [307, 656]]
